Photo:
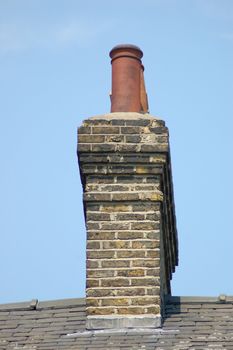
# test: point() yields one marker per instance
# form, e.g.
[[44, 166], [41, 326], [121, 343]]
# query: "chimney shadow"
[[172, 308]]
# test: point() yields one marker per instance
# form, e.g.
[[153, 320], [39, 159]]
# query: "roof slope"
[[190, 323]]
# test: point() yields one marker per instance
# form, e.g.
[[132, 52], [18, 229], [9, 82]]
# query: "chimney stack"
[[125, 167]]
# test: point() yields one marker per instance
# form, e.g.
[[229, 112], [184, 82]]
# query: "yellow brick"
[[116, 208], [115, 302], [100, 310], [131, 273], [145, 300], [141, 170], [130, 311]]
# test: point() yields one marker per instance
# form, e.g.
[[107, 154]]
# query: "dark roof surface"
[[190, 323]]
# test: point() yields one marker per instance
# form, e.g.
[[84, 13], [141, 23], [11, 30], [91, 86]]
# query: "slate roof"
[[190, 323]]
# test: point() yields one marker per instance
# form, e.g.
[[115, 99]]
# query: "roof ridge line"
[[35, 304], [199, 299]]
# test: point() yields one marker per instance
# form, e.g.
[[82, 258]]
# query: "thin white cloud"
[[76, 31], [22, 36]]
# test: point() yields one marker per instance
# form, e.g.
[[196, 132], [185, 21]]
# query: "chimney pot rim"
[[126, 47]]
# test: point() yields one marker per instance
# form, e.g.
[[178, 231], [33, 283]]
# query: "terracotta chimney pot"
[[126, 78]]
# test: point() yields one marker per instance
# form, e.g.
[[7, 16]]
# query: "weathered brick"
[[92, 302], [129, 216], [100, 254], [159, 130], [153, 291], [115, 263], [153, 310], [152, 196], [114, 282], [133, 138], [84, 130], [135, 158], [97, 197], [145, 206], [145, 300], [145, 169], [130, 130], [99, 273], [98, 179], [154, 147], [116, 245], [154, 179], [105, 130], [125, 196], [145, 281], [116, 207], [89, 169], [99, 121], [93, 245], [153, 272], [146, 263], [130, 254], [98, 216], [130, 291], [92, 264], [90, 187], [126, 147], [153, 216], [103, 147], [114, 138], [90, 138], [118, 122], [90, 283], [93, 158], [148, 226], [161, 158], [115, 302], [100, 310], [115, 226], [130, 235], [138, 122], [92, 225], [131, 273], [144, 187], [83, 147], [130, 311], [95, 235], [99, 292], [145, 244], [153, 254], [129, 179], [92, 207], [114, 187], [152, 235], [116, 169]]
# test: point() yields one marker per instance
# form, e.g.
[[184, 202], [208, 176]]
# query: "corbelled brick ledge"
[[129, 209]]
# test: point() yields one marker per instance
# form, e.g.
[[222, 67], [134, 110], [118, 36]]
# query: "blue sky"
[[55, 72]]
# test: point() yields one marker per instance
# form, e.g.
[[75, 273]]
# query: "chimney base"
[[120, 322]]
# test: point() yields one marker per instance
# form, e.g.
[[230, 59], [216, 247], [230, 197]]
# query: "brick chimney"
[[125, 167]]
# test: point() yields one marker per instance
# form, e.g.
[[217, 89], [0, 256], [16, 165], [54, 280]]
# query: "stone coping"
[[124, 115]]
